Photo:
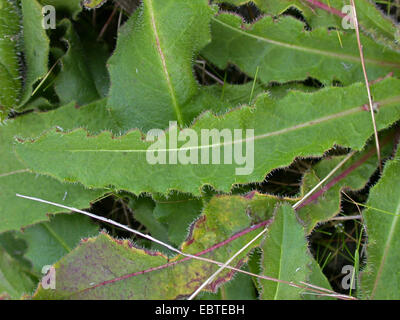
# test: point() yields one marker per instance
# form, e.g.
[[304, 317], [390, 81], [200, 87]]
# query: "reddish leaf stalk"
[[325, 7], [170, 264], [343, 175], [335, 180]]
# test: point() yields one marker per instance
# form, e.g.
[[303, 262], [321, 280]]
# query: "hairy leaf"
[[285, 257], [21, 33], [151, 69], [35, 46], [10, 77], [15, 178], [331, 13], [333, 116], [381, 278], [106, 268], [285, 51], [220, 99], [241, 287], [325, 203]]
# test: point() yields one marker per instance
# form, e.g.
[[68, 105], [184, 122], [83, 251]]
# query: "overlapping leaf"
[[355, 174], [14, 282], [177, 212], [16, 277], [241, 287], [334, 13], [35, 46], [153, 82], [15, 178], [106, 268], [83, 77], [286, 52], [47, 242], [23, 42]]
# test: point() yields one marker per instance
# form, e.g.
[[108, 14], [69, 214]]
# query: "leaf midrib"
[[307, 49], [163, 61], [58, 238], [262, 136], [6, 174]]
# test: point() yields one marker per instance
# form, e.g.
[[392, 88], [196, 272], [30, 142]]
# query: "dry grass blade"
[[371, 105]]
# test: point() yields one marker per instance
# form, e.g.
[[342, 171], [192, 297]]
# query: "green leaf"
[[103, 268], [332, 116], [169, 218], [143, 212], [312, 14], [10, 77], [152, 50], [317, 278], [329, 14], [220, 99], [83, 77], [177, 212], [15, 247], [16, 213], [371, 20], [15, 178], [35, 46], [14, 281], [285, 257], [21, 32], [381, 278], [50, 241], [353, 175], [279, 91], [284, 51], [241, 287]]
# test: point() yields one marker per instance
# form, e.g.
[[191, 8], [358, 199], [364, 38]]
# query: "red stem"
[[343, 175], [325, 7]]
